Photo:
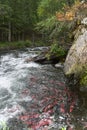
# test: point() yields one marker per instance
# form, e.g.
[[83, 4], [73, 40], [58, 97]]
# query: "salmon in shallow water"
[[42, 123]]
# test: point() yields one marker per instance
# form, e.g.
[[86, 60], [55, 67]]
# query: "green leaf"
[[63, 128]]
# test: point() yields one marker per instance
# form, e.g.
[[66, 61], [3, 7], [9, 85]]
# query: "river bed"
[[35, 96]]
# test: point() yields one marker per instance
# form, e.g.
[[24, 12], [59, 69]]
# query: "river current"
[[34, 96]]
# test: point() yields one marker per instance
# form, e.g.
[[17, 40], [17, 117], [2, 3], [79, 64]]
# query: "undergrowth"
[[56, 50]]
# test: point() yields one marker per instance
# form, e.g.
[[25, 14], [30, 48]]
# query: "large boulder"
[[76, 59]]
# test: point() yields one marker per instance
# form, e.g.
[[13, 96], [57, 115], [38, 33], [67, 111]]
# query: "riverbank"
[[6, 46]]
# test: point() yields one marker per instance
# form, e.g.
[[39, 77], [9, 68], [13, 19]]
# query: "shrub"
[[57, 50]]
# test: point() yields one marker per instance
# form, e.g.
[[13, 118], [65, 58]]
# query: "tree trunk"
[[23, 37], [33, 38], [2, 37], [19, 36], [9, 31]]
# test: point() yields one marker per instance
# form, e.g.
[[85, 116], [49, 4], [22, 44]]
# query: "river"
[[35, 96]]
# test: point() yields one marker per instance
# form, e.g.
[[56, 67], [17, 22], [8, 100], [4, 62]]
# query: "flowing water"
[[34, 96]]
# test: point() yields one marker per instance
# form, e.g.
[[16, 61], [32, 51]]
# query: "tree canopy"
[[20, 18]]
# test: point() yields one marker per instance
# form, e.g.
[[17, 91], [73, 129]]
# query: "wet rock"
[[84, 21], [28, 60], [83, 89], [39, 49], [45, 56], [59, 65], [42, 59]]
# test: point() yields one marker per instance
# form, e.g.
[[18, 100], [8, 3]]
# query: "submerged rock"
[[59, 65]]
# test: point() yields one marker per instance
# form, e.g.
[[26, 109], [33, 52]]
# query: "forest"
[[22, 20]]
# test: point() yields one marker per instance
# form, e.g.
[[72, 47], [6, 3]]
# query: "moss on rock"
[[83, 80]]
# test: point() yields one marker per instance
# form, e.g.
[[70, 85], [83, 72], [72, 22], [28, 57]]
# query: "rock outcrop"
[[76, 59], [75, 66]]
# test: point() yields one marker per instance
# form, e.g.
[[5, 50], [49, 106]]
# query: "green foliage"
[[57, 50], [46, 25], [48, 8], [53, 28], [20, 44], [49, 24], [83, 80], [18, 18], [5, 11], [63, 128], [15, 45], [43, 6], [4, 126], [41, 43], [22, 16]]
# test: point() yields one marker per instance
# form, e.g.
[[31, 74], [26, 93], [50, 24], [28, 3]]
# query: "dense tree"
[[16, 18], [49, 24], [5, 15]]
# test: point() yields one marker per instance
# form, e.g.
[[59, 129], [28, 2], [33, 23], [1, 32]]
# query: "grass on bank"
[[20, 44], [14, 45]]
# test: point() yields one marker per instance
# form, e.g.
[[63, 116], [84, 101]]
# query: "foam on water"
[[10, 112], [13, 70], [23, 65], [5, 82]]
